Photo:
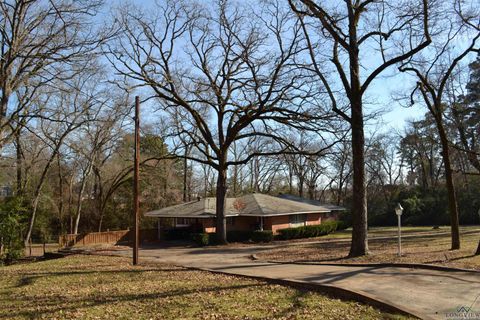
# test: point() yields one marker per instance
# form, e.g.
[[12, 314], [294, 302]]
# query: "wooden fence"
[[109, 237], [39, 249]]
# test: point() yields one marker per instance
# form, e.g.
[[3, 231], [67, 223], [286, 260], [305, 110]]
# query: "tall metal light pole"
[[136, 202], [399, 211]]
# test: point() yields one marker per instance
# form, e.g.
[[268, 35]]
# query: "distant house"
[[249, 212]]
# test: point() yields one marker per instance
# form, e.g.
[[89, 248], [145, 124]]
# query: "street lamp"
[[399, 211]]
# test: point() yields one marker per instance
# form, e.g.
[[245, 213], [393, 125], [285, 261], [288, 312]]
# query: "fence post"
[[44, 245]]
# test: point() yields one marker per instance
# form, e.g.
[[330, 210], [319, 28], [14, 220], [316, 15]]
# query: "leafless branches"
[[233, 75]]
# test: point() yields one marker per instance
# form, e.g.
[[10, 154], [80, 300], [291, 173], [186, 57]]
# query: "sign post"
[[398, 212]]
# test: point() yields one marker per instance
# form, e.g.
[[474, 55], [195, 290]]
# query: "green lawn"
[[98, 287]]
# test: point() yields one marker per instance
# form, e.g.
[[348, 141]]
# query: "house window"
[[297, 220]]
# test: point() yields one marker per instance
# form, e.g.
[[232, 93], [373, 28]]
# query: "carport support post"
[[261, 223], [136, 203]]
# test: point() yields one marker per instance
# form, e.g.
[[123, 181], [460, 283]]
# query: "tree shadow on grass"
[[330, 277], [51, 304], [452, 259], [297, 303], [29, 278]]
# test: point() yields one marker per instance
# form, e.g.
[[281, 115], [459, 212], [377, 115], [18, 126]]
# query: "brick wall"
[[314, 218], [208, 225], [240, 224], [243, 223], [282, 222], [269, 223], [275, 223]]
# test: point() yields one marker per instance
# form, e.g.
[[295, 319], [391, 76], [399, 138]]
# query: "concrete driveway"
[[428, 294]]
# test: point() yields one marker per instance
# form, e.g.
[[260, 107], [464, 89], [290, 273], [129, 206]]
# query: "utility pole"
[[136, 202]]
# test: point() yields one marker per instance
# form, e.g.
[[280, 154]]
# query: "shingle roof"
[[255, 204], [313, 202], [265, 205], [203, 208]]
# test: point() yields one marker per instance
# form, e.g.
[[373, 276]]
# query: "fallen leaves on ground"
[[99, 287], [429, 249]]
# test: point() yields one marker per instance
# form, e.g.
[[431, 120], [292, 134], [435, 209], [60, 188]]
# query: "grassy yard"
[[431, 246], [98, 287], [375, 232]]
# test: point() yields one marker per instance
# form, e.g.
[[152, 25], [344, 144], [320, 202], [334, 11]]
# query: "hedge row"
[[310, 231], [238, 236], [204, 239], [262, 236]]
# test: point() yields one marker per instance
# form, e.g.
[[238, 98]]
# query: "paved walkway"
[[429, 294]]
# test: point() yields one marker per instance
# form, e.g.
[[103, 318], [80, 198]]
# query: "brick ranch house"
[[247, 213]]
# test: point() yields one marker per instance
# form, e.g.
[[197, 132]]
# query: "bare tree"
[[68, 110], [433, 74], [304, 166], [349, 31], [235, 76], [420, 151], [90, 148], [339, 171], [38, 39]]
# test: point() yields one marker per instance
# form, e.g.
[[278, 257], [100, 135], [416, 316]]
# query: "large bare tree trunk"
[[452, 195], [359, 244], [221, 194]]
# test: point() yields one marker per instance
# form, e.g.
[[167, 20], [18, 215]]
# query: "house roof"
[[255, 204], [202, 208], [330, 207]]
